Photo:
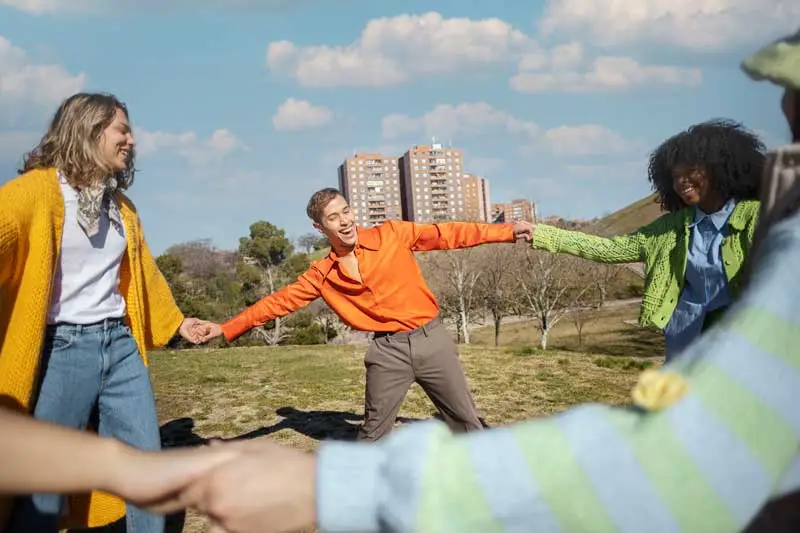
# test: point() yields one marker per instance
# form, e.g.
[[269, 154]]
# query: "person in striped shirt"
[[710, 438]]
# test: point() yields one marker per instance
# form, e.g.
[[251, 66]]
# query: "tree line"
[[478, 286]]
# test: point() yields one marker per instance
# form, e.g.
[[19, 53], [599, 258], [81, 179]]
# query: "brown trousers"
[[428, 356]]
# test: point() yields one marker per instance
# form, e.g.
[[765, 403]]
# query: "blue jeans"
[[84, 366]]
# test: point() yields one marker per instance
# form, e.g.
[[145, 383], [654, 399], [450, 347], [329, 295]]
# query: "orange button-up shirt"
[[392, 295]]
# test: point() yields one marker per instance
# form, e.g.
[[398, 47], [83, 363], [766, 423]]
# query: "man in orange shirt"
[[371, 279]]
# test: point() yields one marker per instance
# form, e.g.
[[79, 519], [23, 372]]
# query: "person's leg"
[[128, 410], [70, 373], [440, 374], [389, 376]]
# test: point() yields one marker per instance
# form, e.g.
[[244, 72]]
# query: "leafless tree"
[[497, 285], [200, 259], [327, 319], [551, 285], [453, 275]]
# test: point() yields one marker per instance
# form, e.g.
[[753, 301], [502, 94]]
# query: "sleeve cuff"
[[235, 328], [348, 486]]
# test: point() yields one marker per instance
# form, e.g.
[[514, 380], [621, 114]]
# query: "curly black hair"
[[732, 156]]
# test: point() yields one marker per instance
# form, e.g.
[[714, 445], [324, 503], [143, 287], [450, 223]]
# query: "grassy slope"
[[630, 217]]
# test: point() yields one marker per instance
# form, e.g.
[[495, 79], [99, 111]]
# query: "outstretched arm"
[[280, 303], [37, 456], [619, 249], [451, 235]]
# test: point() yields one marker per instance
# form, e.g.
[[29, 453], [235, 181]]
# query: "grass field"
[[301, 395]]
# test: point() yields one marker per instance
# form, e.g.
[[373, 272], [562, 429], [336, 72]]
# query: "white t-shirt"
[[86, 286]]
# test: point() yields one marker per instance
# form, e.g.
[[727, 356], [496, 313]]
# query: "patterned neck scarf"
[[92, 201]]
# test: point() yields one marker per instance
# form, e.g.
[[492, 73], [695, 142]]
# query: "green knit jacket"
[[663, 247]]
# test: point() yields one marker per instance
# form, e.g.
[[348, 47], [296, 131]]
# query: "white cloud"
[[478, 118], [39, 7], [564, 69], [188, 145], [392, 50], [27, 87], [447, 120], [296, 115], [586, 139], [693, 24]]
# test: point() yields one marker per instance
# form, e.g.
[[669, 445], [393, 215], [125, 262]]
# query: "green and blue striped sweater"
[[707, 463]]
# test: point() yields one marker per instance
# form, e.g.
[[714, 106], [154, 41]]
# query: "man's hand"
[[206, 331], [267, 488], [523, 230], [199, 331]]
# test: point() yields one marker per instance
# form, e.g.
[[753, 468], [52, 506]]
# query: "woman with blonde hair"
[[82, 301]]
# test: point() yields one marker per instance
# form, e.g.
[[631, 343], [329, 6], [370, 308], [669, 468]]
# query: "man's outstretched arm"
[[280, 303], [454, 235]]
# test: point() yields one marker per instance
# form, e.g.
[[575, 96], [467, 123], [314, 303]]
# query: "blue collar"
[[719, 218]]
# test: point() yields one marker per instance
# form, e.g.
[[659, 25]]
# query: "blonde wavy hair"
[[72, 141]]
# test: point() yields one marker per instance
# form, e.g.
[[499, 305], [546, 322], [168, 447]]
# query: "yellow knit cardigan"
[[31, 225]]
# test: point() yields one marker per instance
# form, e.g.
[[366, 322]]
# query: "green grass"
[[299, 395]]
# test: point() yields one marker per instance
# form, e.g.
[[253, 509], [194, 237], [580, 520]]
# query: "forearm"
[[275, 305], [455, 235], [37, 456], [620, 249]]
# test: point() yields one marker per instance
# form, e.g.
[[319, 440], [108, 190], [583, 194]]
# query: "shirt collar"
[[718, 218], [368, 238]]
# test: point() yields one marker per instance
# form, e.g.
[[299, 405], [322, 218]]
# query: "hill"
[[630, 217]]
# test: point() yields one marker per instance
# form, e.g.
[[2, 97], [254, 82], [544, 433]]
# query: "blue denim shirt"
[[706, 287]]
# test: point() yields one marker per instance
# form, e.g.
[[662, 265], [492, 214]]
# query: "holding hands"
[[523, 231], [199, 331]]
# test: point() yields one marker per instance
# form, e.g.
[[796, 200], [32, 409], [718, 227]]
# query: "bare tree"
[[311, 242], [551, 285], [453, 276], [327, 319], [497, 285], [200, 259]]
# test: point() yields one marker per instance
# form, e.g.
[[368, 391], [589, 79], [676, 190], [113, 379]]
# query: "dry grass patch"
[[301, 395]]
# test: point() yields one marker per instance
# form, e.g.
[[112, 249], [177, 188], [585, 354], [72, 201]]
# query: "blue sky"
[[242, 108]]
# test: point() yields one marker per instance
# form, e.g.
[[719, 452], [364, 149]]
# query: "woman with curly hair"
[[707, 179], [82, 301]]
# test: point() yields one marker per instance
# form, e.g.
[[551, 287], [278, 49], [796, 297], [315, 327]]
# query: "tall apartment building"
[[431, 183], [371, 184], [519, 209], [477, 207]]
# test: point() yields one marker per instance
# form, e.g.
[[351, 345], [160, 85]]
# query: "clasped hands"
[[199, 331], [523, 231], [243, 486]]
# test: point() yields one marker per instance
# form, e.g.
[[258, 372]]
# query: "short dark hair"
[[732, 156], [319, 201]]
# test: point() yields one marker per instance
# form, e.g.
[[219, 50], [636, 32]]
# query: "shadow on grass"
[[633, 342], [321, 425]]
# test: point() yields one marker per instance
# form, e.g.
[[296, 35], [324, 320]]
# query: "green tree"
[[267, 248]]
